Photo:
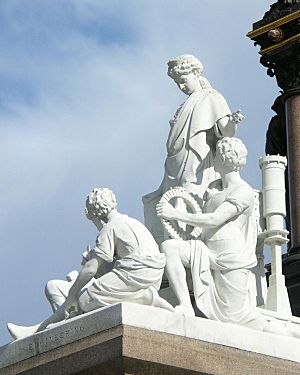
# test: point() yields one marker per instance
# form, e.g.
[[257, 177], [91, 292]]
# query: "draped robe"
[[224, 286], [190, 150], [138, 263]]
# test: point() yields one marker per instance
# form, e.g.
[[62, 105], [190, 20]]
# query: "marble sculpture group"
[[202, 219]]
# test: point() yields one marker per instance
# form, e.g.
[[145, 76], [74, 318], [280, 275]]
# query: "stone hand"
[[166, 211], [237, 116], [70, 306], [86, 255]]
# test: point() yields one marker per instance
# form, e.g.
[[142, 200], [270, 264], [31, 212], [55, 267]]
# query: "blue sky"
[[85, 101]]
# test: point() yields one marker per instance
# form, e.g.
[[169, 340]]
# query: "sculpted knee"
[[50, 287], [169, 247]]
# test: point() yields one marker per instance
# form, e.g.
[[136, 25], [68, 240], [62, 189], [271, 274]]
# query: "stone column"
[[292, 105], [273, 191], [278, 35]]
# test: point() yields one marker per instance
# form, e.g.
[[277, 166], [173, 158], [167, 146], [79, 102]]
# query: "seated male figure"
[[136, 274]]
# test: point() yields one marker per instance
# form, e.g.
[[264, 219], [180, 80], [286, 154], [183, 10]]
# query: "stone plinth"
[[291, 270], [133, 339]]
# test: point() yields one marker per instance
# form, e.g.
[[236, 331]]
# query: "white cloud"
[[84, 105]]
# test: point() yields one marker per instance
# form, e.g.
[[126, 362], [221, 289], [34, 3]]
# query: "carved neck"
[[112, 214], [230, 178]]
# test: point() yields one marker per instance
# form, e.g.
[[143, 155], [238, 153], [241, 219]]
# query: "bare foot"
[[158, 301], [19, 332]]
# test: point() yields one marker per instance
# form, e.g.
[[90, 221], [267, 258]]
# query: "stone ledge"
[[145, 340]]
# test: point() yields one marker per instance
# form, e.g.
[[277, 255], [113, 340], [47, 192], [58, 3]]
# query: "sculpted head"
[[99, 203], [232, 152], [186, 71]]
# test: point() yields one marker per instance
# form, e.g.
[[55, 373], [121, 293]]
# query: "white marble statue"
[[136, 274], [57, 291], [221, 261], [197, 124]]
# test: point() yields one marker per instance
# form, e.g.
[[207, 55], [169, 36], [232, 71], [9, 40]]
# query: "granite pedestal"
[[133, 339]]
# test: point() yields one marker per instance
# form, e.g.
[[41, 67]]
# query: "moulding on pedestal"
[[142, 339]]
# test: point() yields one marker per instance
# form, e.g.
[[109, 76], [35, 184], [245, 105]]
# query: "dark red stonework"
[[278, 35]]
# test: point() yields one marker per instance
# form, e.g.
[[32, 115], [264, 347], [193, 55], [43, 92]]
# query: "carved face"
[[231, 158], [188, 83]]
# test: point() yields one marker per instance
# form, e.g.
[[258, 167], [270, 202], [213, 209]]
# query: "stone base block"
[[291, 270], [133, 339]]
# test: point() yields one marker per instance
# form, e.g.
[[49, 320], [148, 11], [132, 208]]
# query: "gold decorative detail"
[[278, 45], [276, 35], [274, 24]]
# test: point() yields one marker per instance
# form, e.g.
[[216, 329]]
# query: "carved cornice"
[[277, 11], [274, 25], [281, 44], [285, 66], [278, 35]]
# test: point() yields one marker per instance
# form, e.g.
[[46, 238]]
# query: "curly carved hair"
[[233, 152], [187, 64], [100, 202]]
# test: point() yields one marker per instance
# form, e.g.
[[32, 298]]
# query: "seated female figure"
[[222, 259]]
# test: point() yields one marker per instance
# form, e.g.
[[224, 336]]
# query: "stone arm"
[[223, 213], [87, 272], [227, 125]]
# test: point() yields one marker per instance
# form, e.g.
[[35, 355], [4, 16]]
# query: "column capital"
[[278, 35]]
